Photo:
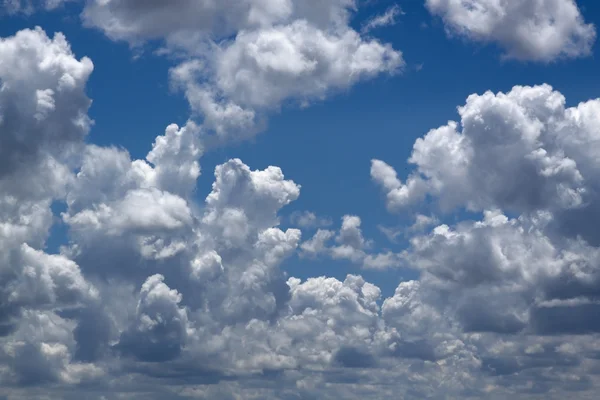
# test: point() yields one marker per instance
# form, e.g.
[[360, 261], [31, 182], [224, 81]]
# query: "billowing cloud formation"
[[522, 290], [243, 59], [521, 151], [538, 30], [43, 119], [159, 296]]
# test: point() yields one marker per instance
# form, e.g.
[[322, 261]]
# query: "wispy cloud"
[[387, 18]]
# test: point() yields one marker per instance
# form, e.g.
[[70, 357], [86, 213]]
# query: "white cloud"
[[245, 59], [134, 21], [156, 296], [541, 30], [524, 152], [398, 194], [385, 19], [43, 120], [260, 70], [510, 151], [43, 106], [159, 330], [309, 220], [318, 243]]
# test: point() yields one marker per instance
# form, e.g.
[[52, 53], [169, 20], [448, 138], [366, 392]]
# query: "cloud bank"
[[156, 296]]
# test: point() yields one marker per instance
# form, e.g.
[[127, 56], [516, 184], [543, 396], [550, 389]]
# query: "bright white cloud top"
[[160, 296], [532, 30], [243, 59]]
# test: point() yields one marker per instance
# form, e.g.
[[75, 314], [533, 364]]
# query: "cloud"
[[510, 151], [43, 120], [159, 330], [309, 220], [241, 60], [543, 30], [349, 245], [385, 19], [30, 6], [159, 295], [43, 103], [134, 21]]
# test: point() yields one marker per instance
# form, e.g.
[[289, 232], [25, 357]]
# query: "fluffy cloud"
[[43, 119], [539, 30], [513, 151], [43, 106], [281, 51], [525, 153], [157, 295], [159, 329], [148, 277], [510, 292]]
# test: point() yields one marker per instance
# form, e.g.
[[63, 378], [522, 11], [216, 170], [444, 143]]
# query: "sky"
[[299, 199]]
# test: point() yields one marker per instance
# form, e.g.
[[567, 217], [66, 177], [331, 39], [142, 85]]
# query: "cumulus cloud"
[[43, 105], [504, 288], [244, 59], [540, 30], [159, 330], [510, 151], [158, 295], [43, 120]]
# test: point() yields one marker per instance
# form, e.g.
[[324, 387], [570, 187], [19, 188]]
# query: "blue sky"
[[327, 148]]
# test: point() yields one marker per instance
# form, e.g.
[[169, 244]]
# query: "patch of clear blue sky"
[[328, 146]]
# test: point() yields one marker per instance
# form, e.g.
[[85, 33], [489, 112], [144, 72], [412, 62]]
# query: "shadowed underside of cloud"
[[157, 297]]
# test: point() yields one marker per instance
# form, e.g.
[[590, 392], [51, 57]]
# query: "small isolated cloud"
[[309, 220], [386, 19], [541, 30]]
